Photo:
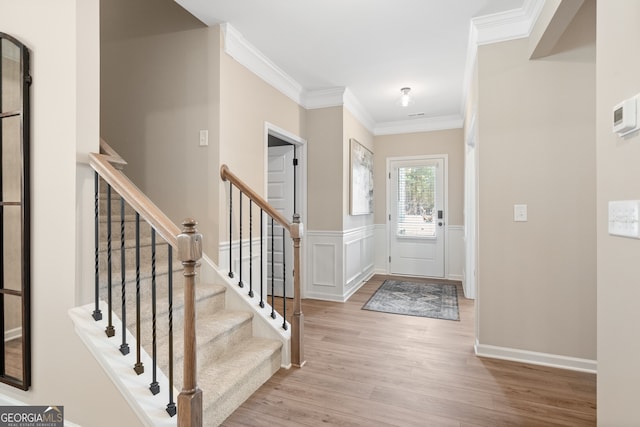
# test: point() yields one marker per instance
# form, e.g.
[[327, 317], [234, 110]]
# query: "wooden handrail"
[[188, 242], [112, 155], [102, 164], [227, 175], [295, 229]]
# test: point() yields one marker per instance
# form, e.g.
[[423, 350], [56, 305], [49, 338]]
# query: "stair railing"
[[188, 242], [295, 230]]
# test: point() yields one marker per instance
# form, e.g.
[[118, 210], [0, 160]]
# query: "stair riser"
[[205, 349], [130, 258], [162, 285], [204, 304], [115, 206], [129, 231], [251, 380]]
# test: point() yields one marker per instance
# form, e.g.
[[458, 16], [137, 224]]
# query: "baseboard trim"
[[456, 277], [535, 358], [324, 297], [355, 288], [13, 334]]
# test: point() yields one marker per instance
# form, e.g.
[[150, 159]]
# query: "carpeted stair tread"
[[203, 295], [130, 243], [161, 259], [229, 380], [211, 326], [224, 322], [216, 334], [130, 275], [115, 217]]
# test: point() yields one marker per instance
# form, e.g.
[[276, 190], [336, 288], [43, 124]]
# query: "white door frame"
[[301, 178], [470, 211], [425, 157]]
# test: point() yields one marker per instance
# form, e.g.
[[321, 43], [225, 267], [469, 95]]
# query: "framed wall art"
[[361, 180]]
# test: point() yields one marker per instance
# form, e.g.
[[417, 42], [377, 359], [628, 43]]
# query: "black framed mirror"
[[15, 80]]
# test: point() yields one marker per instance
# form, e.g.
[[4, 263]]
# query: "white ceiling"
[[373, 48]]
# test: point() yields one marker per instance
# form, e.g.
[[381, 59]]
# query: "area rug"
[[436, 300]]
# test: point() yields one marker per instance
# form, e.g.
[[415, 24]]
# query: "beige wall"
[[248, 103], [325, 174], [64, 110], [159, 88], [352, 128], [448, 142], [618, 71], [537, 287]]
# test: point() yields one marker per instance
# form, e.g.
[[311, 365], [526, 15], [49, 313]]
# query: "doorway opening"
[[286, 184]]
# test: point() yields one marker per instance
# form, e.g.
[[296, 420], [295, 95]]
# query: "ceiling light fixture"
[[405, 99]]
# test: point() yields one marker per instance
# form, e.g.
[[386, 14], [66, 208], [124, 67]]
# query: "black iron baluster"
[[273, 258], [154, 386], [97, 314], [171, 406], [124, 347], [230, 230], [261, 258], [110, 330], [284, 283], [240, 243], [138, 367], [251, 248]]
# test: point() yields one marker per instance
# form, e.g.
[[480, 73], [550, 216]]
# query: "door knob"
[[440, 223]]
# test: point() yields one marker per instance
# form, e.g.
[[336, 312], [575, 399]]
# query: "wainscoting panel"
[[358, 249], [323, 262], [353, 260], [254, 255], [340, 262]]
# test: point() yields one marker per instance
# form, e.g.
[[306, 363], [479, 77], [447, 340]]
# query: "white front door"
[[417, 217], [280, 194]]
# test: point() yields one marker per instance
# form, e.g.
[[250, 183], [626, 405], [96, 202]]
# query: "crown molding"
[[495, 28], [509, 25], [354, 106], [339, 97], [323, 98], [498, 27], [427, 124], [239, 48]]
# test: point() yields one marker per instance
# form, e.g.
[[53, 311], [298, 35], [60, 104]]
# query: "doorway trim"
[[301, 178], [469, 282], [425, 157]]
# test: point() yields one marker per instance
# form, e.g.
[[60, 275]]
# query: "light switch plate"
[[204, 138], [520, 213], [623, 218]]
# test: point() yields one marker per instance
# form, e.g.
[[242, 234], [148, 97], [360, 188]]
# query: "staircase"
[[166, 331], [231, 362]]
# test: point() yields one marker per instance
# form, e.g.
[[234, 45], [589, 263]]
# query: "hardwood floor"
[[13, 358], [367, 368]]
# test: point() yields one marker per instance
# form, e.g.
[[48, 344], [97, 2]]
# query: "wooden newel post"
[[297, 321], [190, 398]]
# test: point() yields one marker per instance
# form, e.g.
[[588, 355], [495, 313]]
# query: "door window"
[[416, 201]]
